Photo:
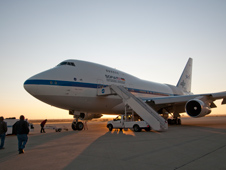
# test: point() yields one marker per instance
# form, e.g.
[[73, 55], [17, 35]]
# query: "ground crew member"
[[21, 129], [42, 126], [3, 130]]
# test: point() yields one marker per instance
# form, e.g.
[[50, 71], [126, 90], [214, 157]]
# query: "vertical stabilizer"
[[185, 80]]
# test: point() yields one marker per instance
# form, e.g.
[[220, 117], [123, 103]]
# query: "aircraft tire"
[[174, 121], [73, 126], [179, 121], [79, 126]]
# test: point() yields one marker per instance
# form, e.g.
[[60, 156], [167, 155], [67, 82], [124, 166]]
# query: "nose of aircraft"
[[35, 84], [39, 84], [30, 87], [32, 84]]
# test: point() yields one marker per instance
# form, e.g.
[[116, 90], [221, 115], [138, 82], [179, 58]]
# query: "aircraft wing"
[[186, 98], [178, 103]]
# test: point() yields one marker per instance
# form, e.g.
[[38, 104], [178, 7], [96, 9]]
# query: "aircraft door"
[[100, 85]]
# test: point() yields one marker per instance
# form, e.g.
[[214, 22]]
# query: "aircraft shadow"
[[179, 147]]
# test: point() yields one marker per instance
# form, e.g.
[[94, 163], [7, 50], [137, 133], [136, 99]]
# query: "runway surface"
[[197, 144]]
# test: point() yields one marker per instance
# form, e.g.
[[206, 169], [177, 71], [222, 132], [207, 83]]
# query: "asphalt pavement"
[[196, 144]]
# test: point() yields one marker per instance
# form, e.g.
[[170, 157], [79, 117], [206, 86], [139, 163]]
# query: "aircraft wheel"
[[179, 121], [79, 126], [73, 126], [110, 127], [136, 128], [174, 121]]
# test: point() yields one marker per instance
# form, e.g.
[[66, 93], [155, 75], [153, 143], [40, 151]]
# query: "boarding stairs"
[[147, 113]]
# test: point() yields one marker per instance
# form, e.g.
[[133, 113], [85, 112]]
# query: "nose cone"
[[30, 87], [37, 84], [32, 84]]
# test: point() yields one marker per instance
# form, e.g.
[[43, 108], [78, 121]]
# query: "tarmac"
[[196, 144]]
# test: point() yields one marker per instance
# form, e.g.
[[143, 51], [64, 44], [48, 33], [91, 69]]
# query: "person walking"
[[42, 126], [3, 130], [22, 130]]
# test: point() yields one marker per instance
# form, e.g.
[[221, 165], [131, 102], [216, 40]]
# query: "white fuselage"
[[74, 87]]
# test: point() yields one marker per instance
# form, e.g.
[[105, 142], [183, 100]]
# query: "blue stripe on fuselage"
[[87, 85], [60, 83]]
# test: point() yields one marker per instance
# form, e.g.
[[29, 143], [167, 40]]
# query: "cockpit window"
[[71, 64], [67, 63]]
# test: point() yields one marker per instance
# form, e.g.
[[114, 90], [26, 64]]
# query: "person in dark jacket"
[[3, 130], [42, 126], [22, 130]]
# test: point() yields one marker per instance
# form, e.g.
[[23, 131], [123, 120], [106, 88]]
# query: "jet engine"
[[84, 116], [197, 108], [89, 116]]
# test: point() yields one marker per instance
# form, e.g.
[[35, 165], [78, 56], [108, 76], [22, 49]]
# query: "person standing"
[[3, 130], [85, 125], [22, 130], [42, 126]]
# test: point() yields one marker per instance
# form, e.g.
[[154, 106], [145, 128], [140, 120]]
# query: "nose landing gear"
[[77, 125]]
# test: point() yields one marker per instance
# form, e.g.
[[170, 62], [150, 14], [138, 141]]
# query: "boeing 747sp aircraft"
[[89, 90]]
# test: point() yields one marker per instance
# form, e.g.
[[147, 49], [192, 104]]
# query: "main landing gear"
[[77, 125], [175, 121], [175, 118]]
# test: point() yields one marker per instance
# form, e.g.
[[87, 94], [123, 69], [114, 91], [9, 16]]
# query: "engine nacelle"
[[84, 116], [197, 108], [89, 116]]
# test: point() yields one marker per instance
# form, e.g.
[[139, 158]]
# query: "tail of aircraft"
[[184, 82]]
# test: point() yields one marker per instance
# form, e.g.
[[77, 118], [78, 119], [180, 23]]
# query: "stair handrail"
[[145, 106]]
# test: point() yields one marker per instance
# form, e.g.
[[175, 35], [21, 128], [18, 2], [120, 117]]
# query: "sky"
[[149, 39]]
